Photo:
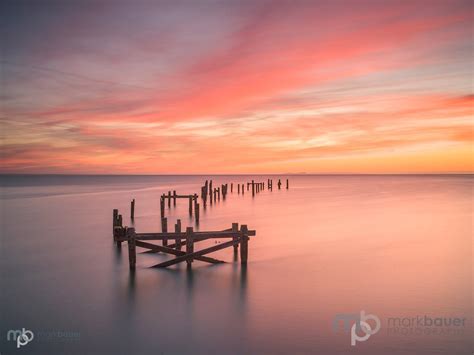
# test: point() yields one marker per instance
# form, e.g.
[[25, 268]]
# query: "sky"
[[198, 87]]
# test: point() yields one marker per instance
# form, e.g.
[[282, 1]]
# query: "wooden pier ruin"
[[172, 243], [188, 239]]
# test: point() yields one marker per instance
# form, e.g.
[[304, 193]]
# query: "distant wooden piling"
[[279, 184], [253, 188], [174, 197], [132, 209], [287, 184], [190, 206]]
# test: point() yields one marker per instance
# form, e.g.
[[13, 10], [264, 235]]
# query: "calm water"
[[394, 246]]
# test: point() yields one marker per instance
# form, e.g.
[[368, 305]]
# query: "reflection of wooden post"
[[235, 229], [189, 244], [177, 229], [164, 229], [244, 244], [132, 209], [132, 255]]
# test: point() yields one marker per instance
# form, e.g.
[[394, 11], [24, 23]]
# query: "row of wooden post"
[[206, 190], [193, 202]]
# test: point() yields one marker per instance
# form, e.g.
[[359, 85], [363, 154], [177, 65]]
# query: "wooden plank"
[[197, 235], [202, 252]]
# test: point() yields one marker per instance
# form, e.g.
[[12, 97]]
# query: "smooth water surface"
[[393, 246]]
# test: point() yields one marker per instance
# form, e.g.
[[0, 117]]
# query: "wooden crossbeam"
[[197, 236], [169, 250], [196, 254]]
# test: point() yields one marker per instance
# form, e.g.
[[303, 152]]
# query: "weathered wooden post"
[[210, 190], [231, 187], [190, 205], [164, 229], [114, 219], [119, 220], [238, 189], [177, 229], [169, 199], [174, 197], [219, 193], [196, 212], [132, 209], [244, 244], [279, 184], [196, 206], [235, 229], [189, 244], [132, 255], [243, 190], [253, 188], [162, 206], [287, 185]]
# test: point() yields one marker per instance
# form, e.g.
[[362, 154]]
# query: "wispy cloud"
[[258, 86]]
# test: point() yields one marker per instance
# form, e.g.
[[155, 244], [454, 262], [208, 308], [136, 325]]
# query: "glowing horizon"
[[237, 87]]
